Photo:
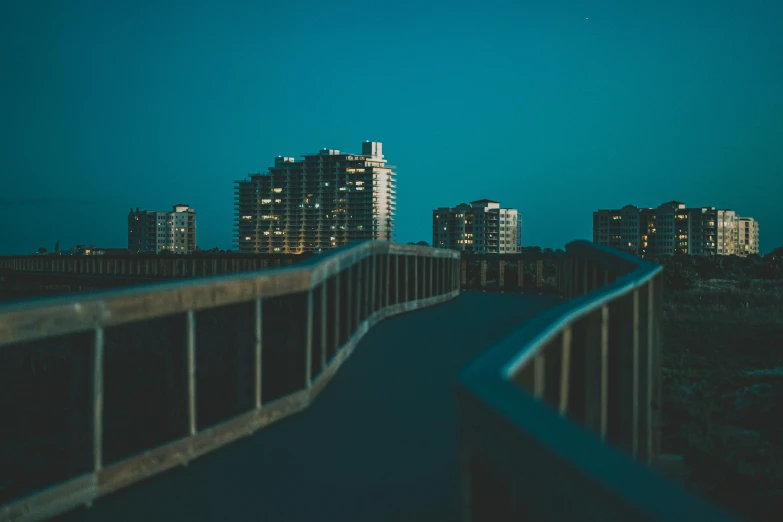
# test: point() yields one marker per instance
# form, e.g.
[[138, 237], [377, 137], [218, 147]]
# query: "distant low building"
[[153, 231], [672, 228], [482, 227]]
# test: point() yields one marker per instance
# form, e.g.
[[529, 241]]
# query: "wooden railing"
[[146, 265], [553, 416], [509, 272], [101, 391]]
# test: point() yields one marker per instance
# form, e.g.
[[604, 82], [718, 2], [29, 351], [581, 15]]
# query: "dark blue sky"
[[555, 108]]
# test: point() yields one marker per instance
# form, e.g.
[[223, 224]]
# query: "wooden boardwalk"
[[380, 443]]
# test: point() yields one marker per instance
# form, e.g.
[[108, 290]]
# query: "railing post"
[[97, 400], [336, 304], [397, 278], [646, 361], [565, 369], [445, 269], [520, 273], [309, 340], [483, 275], [373, 300], [501, 274], [191, 347], [367, 304], [464, 264], [604, 411], [348, 294], [358, 312], [431, 262], [415, 277], [259, 319], [655, 310], [635, 413], [539, 273], [388, 276]]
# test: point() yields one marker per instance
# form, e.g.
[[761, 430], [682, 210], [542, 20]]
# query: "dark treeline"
[[682, 272]]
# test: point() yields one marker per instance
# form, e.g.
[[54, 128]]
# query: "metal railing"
[[551, 414], [105, 390]]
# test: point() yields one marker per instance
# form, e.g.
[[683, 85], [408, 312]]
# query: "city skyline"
[[674, 228], [553, 114]]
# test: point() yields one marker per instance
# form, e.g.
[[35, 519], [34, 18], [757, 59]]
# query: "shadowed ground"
[[379, 444]]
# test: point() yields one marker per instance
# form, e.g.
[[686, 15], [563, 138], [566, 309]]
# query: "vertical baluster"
[[430, 262], [565, 369], [336, 303], [604, 418], [358, 306], [374, 284], [191, 347], [635, 413], [309, 340], [258, 350], [387, 272], [97, 399], [324, 306], [415, 277]]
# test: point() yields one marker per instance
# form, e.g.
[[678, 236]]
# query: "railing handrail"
[[286, 348], [537, 333], [537, 434], [31, 320]]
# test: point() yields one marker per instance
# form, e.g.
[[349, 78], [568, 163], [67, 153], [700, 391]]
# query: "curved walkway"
[[379, 444]]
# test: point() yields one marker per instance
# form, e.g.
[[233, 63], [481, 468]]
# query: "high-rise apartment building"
[[481, 227], [728, 232], [323, 201], [672, 228], [153, 231], [748, 237]]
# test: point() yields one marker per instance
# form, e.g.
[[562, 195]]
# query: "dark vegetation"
[[723, 378]]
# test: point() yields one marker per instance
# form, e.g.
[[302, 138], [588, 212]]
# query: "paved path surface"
[[379, 444]]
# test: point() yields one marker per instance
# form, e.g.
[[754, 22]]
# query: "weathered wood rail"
[[154, 377], [554, 416]]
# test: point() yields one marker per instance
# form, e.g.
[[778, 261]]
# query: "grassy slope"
[[726, 422]]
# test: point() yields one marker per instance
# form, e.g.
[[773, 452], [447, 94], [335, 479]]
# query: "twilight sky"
[[557, 108]]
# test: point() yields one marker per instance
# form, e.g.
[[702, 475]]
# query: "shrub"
[[679, 276]]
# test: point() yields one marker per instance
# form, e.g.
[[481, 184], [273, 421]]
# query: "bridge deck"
[[369, 448]]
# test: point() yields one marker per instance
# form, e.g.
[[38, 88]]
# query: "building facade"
[[153, 231], [747, 237], [673, 228], [322, 201], [481, 227]]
